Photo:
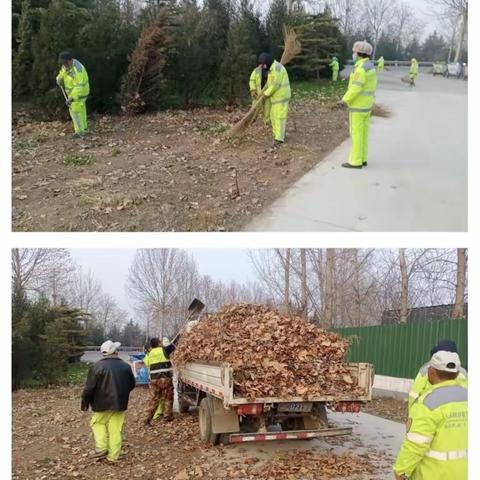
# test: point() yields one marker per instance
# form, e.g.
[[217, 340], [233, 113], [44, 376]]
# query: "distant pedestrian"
[[107, 390], [381, 65], [335, 66], [413, 71]]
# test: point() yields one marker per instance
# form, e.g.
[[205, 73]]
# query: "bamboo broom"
[[292, 48]]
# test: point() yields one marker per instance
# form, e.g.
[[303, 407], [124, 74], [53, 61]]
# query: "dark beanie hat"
[[444, 346]]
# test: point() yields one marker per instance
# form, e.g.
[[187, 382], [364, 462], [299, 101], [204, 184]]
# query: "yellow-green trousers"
[[267, 107], [160, 410], [107, 432], [380, 68], [335, 75], [359, 130], [78, 113], [278, 117]]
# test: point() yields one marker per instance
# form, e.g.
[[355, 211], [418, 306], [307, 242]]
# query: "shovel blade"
[[195, 307]]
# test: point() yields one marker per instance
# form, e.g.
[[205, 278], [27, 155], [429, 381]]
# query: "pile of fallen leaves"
[[273, 355], [313, 466]]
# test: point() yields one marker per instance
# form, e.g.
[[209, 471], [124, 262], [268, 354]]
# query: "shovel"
[[195, 308], [64, 96]]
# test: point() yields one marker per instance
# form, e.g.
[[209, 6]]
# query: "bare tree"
[[329, 313], [404, 290], [457, 10], [460, 287], [347, 12], [303, 278], [32, 268], [378, 14]]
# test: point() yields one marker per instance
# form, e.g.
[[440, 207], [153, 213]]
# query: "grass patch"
[[77, 373], [213, 129], [78, 160], [324, 90], [26, 144]]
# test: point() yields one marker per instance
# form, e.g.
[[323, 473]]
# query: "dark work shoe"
[[100, 455], [349, 165], [365, 164]]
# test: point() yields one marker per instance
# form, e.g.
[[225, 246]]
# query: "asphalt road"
[[416, 179]]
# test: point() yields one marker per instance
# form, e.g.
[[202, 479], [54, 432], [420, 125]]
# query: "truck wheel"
[[205, 422]]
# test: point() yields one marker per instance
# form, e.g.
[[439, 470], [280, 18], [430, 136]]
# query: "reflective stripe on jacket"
[[278, 85], [436, 445], [421, 383], [75, 80], [158, 362], [362, 85]]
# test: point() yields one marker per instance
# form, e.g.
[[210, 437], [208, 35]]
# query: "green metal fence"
[[400, 350]]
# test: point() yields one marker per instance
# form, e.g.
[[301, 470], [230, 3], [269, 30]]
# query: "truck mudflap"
[[292, 435]]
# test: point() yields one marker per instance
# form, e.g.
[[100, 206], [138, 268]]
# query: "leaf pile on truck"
[[271, 354], [258, 375]]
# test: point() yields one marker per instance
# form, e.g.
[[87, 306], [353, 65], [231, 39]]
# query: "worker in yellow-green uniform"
[[278, 93], [73, 78], [258, 80], [157, 360], [335, 66], [421, 383], [413, 71], [381, 64], [107, 390], [359, 99], [436, 444]]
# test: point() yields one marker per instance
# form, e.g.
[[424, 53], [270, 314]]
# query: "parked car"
[[455, 70], [439, 68]]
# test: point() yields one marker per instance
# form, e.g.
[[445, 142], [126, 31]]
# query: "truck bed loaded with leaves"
[[259, 375]]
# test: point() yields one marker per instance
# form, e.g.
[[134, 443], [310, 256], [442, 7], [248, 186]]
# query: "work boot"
[[364, 164], [349, 165], [100, 455], [167, 419], [122, 456]]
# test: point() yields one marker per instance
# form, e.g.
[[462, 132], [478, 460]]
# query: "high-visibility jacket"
[[75, 80], [335, 66], [256, 80], [362, 85], [421, 383], [158, 362], [381, 63], [414, 69], [278, 84], [436, 444]]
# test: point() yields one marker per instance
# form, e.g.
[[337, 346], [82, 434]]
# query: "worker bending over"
[[73, 78], [258, 80]]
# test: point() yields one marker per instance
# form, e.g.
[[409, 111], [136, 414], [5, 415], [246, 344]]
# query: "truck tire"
[[205, 422]]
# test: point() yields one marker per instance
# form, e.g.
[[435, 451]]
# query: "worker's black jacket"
[[109, 383]]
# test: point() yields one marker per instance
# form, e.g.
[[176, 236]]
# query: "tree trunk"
[[304, 292], [461, 37], [356, 280], [286, 293], [460, 287], [329, 288], [404, 290]]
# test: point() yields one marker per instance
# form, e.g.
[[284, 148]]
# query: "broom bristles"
[[292, 48]]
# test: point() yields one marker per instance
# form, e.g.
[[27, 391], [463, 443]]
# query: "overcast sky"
[[110, 266]]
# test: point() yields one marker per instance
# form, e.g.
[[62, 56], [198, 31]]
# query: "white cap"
[[165, 342], [362, 47], [445, 361], [109, 347]]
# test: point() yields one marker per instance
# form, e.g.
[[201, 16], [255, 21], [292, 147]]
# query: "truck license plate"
[[295, 407]]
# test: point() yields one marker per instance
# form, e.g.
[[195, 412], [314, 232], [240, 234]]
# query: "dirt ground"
[[52, 440], [390, 408], [170, 171]]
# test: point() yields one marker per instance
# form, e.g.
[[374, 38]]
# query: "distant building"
[[422, 314]]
